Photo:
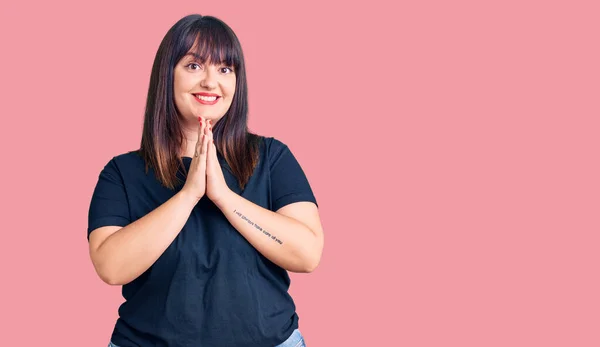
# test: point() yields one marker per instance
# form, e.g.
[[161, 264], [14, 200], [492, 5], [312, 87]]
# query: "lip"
[[207, 102]]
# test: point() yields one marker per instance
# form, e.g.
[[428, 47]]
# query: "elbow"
[[313, 257], [107, 270], [115, 277], [110, 280], [309, 269], [307, 259], [107, 275], [311, 264], [113, 281], [303, 265]]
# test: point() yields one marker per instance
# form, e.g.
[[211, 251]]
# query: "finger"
[[204, 141], [211, 145], [201, 127], [214, 150], [211, 151], [202, 153], [209, 164], [201, 145], [210, 133]]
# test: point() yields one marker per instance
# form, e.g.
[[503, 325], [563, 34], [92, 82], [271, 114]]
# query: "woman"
[[202, 223]]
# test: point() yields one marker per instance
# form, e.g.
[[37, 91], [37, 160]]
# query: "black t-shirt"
[[210, 287]]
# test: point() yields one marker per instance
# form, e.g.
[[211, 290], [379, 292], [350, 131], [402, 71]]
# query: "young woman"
[[201, 224]]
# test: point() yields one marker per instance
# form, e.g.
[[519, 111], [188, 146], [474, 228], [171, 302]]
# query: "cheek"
[[177, 89], [183, 83], [231, 89]]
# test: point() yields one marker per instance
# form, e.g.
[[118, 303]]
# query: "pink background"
[[452, 147]]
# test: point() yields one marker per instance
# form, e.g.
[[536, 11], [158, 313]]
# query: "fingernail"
[[199, 119]]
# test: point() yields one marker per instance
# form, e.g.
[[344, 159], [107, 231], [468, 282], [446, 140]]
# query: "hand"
[[216, 186], [195, 183]]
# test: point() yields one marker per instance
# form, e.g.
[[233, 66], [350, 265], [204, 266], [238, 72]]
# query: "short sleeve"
[[109, 205], [288, 181]]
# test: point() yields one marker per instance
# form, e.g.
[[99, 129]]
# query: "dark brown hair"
[[162, 135]]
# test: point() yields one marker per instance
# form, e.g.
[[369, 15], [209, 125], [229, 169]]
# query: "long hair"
[[162, 135]]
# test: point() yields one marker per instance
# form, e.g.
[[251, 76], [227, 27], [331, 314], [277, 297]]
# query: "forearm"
[[130, 251], [281, 239]]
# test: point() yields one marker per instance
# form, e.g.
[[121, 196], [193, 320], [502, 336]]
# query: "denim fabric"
[[295, 340]]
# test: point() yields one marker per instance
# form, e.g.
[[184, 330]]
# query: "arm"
[[120, 257], [280, 236]]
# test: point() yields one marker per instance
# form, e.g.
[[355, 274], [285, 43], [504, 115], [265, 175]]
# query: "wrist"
[[224, 199], [188, 198]]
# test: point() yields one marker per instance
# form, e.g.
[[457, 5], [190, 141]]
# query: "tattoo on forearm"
[[273, 237]]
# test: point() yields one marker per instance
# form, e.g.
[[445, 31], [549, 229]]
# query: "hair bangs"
[[213, 43]]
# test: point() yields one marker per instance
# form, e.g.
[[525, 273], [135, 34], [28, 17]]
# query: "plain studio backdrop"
[[452, 147]]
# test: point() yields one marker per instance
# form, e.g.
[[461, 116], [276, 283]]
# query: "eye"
[[190, 64], [228, 68]]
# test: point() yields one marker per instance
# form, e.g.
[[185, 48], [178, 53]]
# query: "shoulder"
[[127, 157], [274, 146], [280, 155], [269, 145], [122, 161]]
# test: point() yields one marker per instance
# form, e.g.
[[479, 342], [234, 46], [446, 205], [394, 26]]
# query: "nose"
[[208, 80]]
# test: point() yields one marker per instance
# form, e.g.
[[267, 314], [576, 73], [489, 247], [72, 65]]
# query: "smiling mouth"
[[206, 100]]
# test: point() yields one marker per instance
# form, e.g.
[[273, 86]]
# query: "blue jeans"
[[295, 340]]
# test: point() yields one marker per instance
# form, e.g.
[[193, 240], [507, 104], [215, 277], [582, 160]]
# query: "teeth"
[[206, 98]]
